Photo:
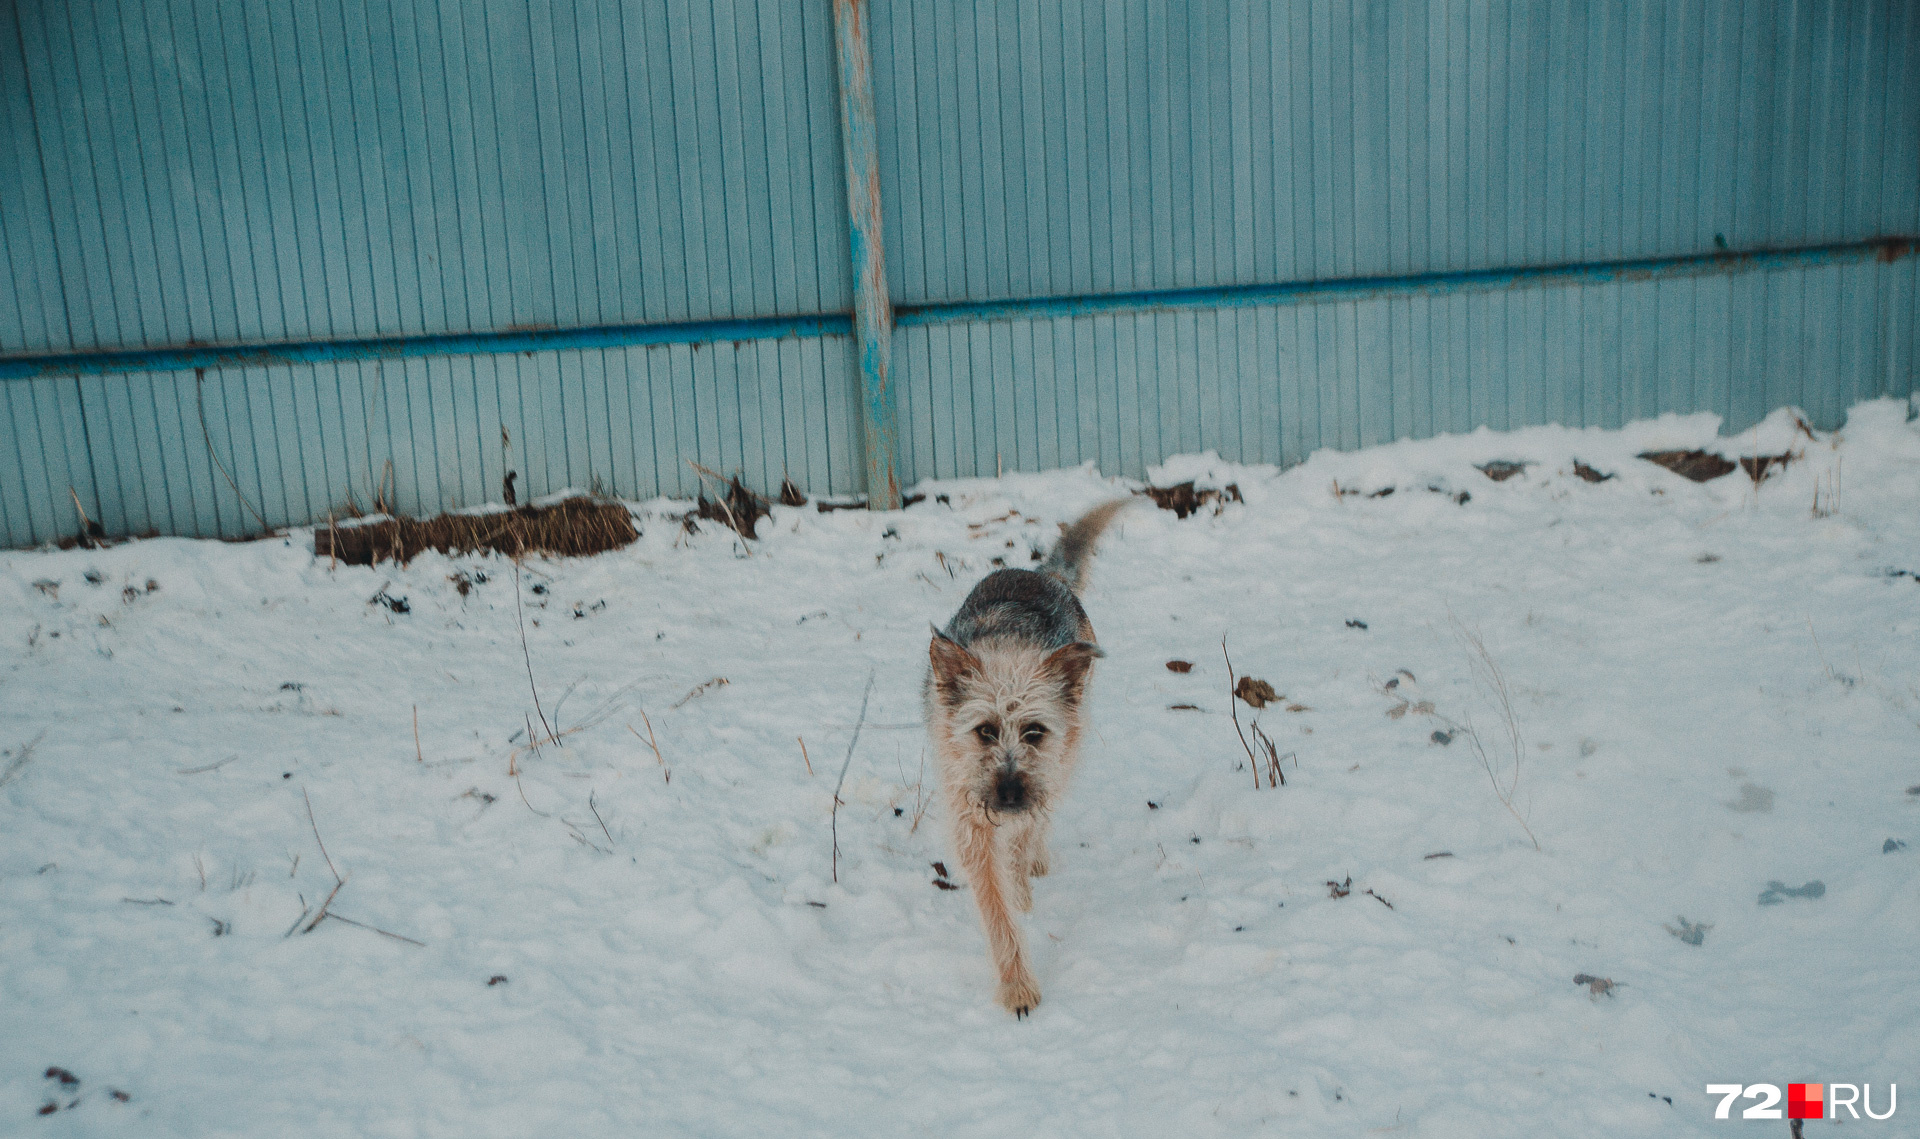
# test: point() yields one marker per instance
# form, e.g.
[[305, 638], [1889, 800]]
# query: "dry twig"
[[596, 818], [376, 929], [316, 837], [519, 618], [19, 762], [701, 690], [919, 798], [726, 492], [919, 788], [200, 402], [1487, 674], [594, 718], [1274, 775], [841, 782], [665, 771], [201, 770], [339, 883]]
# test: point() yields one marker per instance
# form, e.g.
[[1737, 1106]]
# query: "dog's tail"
[[1069, 558]]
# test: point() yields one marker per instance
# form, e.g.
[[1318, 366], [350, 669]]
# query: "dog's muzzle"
[[1010, 792]]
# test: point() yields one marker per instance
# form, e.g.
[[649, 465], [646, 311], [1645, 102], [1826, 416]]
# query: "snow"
[[1716, 690]]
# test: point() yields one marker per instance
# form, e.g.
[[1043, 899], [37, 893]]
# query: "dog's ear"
[[1071, 664], [950, 661]]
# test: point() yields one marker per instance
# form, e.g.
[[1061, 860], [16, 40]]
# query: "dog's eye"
[[1033, 733], [987, 733]]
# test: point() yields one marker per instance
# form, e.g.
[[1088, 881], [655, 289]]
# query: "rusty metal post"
[[872, 311]]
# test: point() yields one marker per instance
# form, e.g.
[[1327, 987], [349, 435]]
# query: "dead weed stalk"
[[301, 924], [519, 617], [1502, 774], [1271, 764], [665, 771], [848, 762], [919, 788], [20, 760]]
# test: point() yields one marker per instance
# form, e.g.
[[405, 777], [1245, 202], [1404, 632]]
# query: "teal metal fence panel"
[[1072, 148], [232, 451], [1274, 383], [302, 188], [223, 170]]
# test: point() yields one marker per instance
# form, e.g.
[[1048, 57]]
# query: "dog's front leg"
[[1039, 860], [1026, 857], [1014, 861], [1018, 992]]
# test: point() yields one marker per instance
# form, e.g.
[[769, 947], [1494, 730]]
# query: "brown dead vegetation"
[[574, 527], [1500, 470], [1699, 466], [1759, 468], [738, 509], [1257, 693], [1184, 499]]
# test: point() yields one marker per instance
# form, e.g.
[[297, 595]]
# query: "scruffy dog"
[[1003, 705]]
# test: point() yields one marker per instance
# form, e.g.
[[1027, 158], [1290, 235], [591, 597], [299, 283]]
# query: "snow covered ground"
[[1715, 690]]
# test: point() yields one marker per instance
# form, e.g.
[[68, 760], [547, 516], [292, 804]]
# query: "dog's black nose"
[[1010, 791]]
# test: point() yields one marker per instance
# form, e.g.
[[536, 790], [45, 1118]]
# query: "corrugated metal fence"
[[218, 172]]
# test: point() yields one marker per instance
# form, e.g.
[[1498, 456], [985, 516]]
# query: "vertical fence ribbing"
[[213, 170]]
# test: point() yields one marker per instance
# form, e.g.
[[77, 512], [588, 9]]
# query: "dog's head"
[[1006, 717]]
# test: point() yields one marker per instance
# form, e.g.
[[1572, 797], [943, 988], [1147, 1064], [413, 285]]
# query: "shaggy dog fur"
[[1003, 697]]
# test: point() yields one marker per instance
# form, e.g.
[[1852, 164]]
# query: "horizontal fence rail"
[[1885, 249], [420, 347]]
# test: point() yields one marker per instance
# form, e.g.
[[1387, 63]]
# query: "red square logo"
[[1806, 1101]]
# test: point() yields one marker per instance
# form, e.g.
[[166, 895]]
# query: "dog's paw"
[[1019, 996], [1039, 864]]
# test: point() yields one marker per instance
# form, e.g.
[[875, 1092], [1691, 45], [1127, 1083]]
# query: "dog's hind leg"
[[1018, 992]]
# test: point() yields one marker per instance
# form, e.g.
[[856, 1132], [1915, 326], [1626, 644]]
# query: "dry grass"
[[735, 507], [1271, 762], [574, 527], [1760, 468], [17, 761], [920, 797], [1502, 771], [301, 924], [1826, 492], [1184, 499], [700, 690], [519, 617], [1699, 466], [665, 771], [842, 781]]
